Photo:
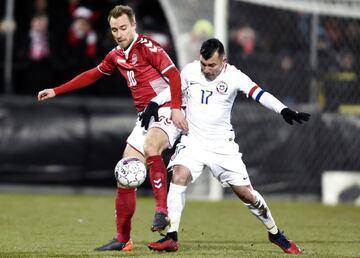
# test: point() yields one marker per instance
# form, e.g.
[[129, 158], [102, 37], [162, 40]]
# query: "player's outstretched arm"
[[271, 102], [82, 80], [46, 94], [291, 115]]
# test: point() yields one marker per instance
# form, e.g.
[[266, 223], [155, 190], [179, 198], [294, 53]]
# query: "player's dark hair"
[[210, 46], [119, 10]]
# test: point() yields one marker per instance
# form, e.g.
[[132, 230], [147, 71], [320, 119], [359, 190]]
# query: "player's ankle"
[[173, 235], [162, 210]]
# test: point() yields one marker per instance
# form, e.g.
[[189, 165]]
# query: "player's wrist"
[[57, 91]]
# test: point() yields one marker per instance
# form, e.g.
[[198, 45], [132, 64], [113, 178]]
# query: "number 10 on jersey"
[[131, 78]]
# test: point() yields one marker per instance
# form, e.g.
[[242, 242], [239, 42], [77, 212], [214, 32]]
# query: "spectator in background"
[[245, 38], [35, 57], [82, 41], [39, 67], [201, 30], [39, 38], [341, 81], [81, 32], [347, 62]]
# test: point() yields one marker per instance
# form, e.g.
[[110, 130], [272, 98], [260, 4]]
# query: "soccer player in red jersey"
[[148, 71]]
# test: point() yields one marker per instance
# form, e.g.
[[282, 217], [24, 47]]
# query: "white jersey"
[[209, 105]]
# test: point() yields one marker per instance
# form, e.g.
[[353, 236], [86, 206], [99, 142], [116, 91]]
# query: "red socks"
[[158, 179], [125, 201], [125, 204]]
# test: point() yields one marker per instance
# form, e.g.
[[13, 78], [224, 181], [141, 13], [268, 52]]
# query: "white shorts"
[[137, 137], [228, 169]]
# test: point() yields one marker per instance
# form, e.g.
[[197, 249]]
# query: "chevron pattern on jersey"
[[147, 43]]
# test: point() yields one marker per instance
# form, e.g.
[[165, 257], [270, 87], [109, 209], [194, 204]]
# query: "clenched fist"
[[46, 94]]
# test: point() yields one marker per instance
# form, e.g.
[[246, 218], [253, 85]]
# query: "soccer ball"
[[130, 172]]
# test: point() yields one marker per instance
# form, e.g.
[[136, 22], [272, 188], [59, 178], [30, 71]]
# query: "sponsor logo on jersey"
[[134, 59], [222, 87]]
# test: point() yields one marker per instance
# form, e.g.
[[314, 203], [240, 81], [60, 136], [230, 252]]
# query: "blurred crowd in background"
[[274, 47], [55, 40]]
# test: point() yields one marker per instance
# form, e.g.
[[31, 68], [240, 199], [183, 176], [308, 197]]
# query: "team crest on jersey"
[[134, 59], [222, 87]]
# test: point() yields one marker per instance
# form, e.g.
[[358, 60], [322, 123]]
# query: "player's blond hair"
[[119, 10]]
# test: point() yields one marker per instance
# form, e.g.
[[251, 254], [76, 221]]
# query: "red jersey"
[[143, 65]]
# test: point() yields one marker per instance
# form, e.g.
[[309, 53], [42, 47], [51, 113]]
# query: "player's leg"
[[231, 171], [187, 166], [125, 204], [161, 135], [176, 203], [258, 207], [156, 141]]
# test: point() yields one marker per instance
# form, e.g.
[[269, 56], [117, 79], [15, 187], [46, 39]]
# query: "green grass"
[[39, 225]]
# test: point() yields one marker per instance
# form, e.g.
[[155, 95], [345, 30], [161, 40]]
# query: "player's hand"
[[290, 116], [46, 94], [151, 110], [178, 118]]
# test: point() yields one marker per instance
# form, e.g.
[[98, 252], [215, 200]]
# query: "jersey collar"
[[127, 51]]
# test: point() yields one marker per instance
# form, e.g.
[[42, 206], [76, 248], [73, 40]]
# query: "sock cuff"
[[274, 230], [125, 190], [177, 188], [153, 159]]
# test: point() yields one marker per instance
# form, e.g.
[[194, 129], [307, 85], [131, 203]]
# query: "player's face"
[[212, 67], [122, 30]]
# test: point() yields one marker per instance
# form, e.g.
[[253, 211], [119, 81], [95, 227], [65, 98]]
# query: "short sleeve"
[[244, 83]]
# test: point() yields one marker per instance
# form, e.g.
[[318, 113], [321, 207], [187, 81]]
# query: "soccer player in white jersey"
[[210, 86]]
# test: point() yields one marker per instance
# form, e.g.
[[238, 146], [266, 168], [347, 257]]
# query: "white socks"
[[176, 203], [262, 212]]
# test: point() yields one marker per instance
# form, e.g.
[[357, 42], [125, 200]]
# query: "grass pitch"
[[39, 225]]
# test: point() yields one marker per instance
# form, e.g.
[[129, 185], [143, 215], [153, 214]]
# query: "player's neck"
[[132, 42]]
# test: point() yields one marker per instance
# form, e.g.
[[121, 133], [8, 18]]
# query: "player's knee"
[[150, 149], [155, 143], [181, 176]]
